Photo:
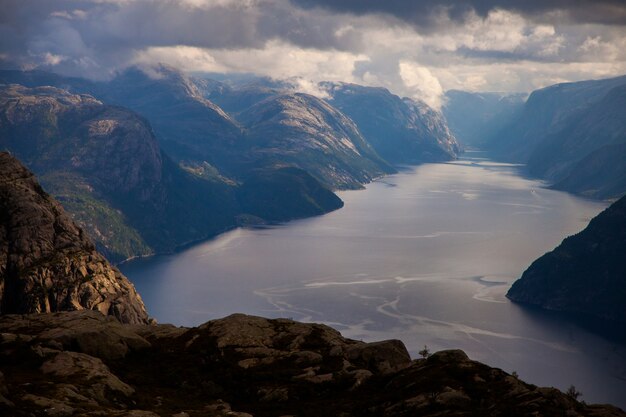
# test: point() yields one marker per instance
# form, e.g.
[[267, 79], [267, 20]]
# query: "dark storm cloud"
[[91, 34], [422, 13]]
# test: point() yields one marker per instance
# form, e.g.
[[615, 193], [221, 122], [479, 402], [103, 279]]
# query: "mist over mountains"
[[571, 134]]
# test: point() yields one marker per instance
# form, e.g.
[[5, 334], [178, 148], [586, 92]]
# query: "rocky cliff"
[[79, 363], [189, 127], [105, 165], [593, 137], [401, 131], [584, 275], [47, 263], [307, 132], [566, 131]]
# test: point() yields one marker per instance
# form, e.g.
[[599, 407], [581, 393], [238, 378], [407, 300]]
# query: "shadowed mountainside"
[[474, 118], [566, 130], [402, 131], [585, 274], [47, 263]]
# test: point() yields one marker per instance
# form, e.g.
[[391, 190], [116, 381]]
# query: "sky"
[[415, 48]]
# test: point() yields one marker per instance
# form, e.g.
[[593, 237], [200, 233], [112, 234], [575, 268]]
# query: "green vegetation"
[[113, 235]]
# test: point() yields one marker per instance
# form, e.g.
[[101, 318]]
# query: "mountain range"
[[146, 162], [572, 135]]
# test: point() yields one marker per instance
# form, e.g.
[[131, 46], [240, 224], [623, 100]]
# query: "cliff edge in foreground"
[[81, 363], [47, 263]]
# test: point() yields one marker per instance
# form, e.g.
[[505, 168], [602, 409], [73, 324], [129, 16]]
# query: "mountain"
[[592, 138], [285, 193], [47, 263], [474, 118], [567, 127], [194, 129], [548, 111], [235, 99], [401, 131], [79, 363], [305, 131], [105, 165], [585, 275], [189, 127]]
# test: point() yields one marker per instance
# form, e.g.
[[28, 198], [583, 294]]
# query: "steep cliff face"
[[586, 274], [548, 111], [592, 136], [189, 126], [105, 165], [307, 132], [46, 262], [567, 130], [81, 364], [474, 118], [401, 131]]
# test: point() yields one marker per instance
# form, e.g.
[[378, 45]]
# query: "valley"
[[425, 256]]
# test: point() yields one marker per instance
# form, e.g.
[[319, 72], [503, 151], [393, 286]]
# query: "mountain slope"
[[601, 174], [474, 118], [585, 274], [548, 111], [601, 125], [304, 131], [187, 125], [284, 194], [46, 262], [567, 127], [401, 131], [105, 164]]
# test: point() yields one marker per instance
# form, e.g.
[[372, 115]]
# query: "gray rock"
[[47, 263], [385, 357]]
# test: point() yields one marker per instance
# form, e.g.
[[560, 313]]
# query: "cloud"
[[276, 60], [423, 12], [414, 48], [421, 82]]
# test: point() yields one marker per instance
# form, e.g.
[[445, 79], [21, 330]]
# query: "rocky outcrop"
[[47, 263], [585, 275], [246, 366]]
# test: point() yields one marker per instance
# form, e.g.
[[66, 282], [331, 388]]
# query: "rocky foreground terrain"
[[83, 363], [47, 263]]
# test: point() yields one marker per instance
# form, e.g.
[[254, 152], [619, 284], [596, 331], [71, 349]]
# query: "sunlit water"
[[424, 256]]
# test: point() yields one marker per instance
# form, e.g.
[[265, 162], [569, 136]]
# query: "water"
[[424, 256]]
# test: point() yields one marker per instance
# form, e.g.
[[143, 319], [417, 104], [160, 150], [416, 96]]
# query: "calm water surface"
[[425, 256]]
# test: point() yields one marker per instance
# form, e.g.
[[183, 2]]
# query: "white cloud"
[[421, 83], [502, 50], [276, 59]]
